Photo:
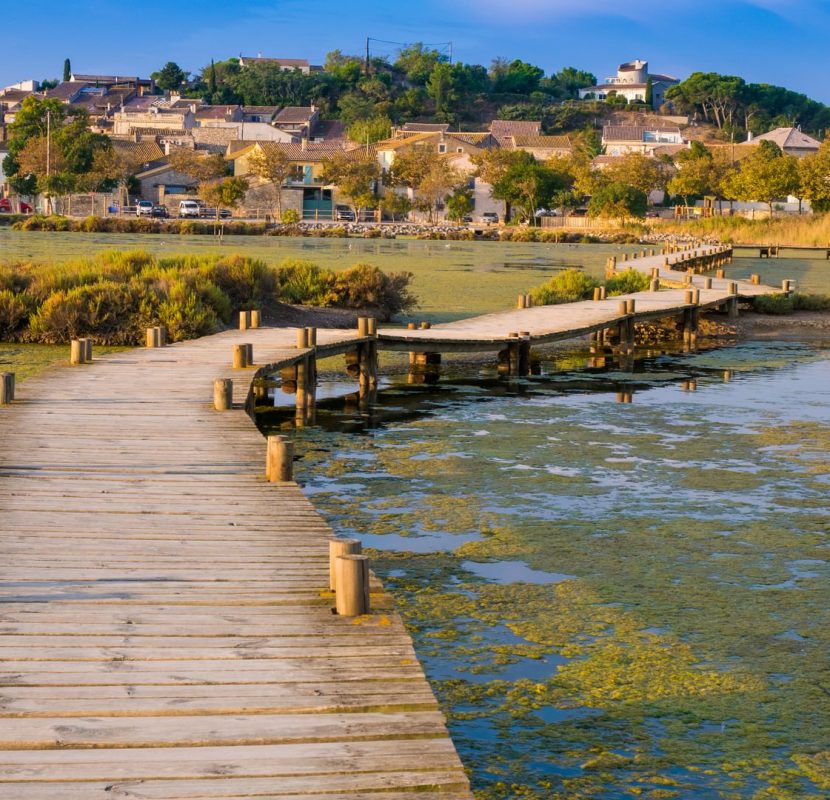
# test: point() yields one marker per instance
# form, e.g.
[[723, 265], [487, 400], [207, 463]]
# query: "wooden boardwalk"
[[167, 629], [166, 626], [544, 324]]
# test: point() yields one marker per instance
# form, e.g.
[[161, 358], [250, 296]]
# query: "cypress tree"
[[67, 70], [212, 79], [649, 91]]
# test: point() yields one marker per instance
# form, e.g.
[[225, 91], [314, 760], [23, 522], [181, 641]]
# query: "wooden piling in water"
[[302, 338], [222, 394], [352, 582], [340, 547]]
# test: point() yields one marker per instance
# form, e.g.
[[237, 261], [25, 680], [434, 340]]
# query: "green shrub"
[[290, 216], [186, 315], [14, 312], [566, 287], [364, 285], [773, 304], [627, 282], [811, 302], [305, 282], [103, 310]]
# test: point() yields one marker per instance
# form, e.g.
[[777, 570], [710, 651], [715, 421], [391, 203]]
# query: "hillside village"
[[301, 162]]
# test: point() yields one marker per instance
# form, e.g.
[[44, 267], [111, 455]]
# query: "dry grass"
[[810, 230]]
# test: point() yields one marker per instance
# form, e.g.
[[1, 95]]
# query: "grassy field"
[[28, 360]]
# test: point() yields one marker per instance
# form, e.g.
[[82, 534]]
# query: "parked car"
[[190, 208], [144, 208], [343, 214], [490, 217], [7, 208], [160, 212]]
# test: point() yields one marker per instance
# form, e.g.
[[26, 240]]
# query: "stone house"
[[631, 82], [619, 140]]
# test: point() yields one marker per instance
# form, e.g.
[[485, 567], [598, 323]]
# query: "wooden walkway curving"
[[166, 626]]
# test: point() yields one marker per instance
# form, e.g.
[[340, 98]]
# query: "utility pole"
[[367, 55], [48, 155]]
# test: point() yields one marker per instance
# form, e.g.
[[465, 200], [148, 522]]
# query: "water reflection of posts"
[[727, 375], [367, 356], [689, 386], [626, 395]]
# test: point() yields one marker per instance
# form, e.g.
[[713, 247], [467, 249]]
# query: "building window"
[[442, 148], [459, 149]]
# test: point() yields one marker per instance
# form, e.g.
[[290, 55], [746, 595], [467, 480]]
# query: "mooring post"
[[521, 302], [363, 326], [352, 585], [340, 547], [76, 352], [302, 338], [86, 342], [756, 279], [244, 320], [596, 293], [654, 285], [6, 388], [254, 317], [707, 283], [279, 459], [152, 338], [240, 356], [222, 394], [413, 356], [249, 354], [602, 292]]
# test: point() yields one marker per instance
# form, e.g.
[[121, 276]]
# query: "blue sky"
[[774, 41]]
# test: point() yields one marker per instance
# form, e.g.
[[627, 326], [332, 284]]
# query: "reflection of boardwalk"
[[164, 629]]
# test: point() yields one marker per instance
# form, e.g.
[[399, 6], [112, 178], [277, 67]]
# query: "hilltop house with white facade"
[[631, 82]]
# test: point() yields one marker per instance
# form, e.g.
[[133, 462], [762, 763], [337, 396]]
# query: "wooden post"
[[786, 286], [425, 326], [86, 349], [524, 353], [707, 283], [249, 354], [654, 286], [720, 274], [352, 580], [596, 294], [413, 357], [655, 272], [244, 320], [301, 396], [340, 547], [240, 356], [311, 336], [521, 303], [513, 353], [528, 300], [223, 394], [153, 337], [371, 326], [6, 388], [76, 352], [688, 297], [254, 318], [756, 279], [279, 460], [622, 308], [733, 288], [696, 296], [302, 338], [362, 326], [630, 305], [602, 292]]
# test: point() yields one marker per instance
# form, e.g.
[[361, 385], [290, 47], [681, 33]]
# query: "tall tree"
[[814, 176], [355, 175], [271, 164], [223, 193], [171, 76], [618, 201], [765, 176], [67, 70]]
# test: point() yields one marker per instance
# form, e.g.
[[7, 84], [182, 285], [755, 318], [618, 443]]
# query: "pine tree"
[[67, 70]]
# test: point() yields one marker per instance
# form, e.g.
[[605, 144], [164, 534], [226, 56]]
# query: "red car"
[[6, 206]]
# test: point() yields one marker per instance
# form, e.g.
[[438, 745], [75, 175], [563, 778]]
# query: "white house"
[[631, 82], [619, 140]]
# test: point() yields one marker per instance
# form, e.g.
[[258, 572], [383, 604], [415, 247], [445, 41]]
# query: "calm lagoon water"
[[610, 600]]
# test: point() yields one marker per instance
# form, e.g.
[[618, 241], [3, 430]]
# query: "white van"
[[189, 208]]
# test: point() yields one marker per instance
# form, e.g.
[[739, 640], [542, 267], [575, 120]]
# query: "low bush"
[[290, 216], [114, 296], [811, 302], [566, 287], [627, 282]]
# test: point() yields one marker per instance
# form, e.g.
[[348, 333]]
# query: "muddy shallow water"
[[611, 600]]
